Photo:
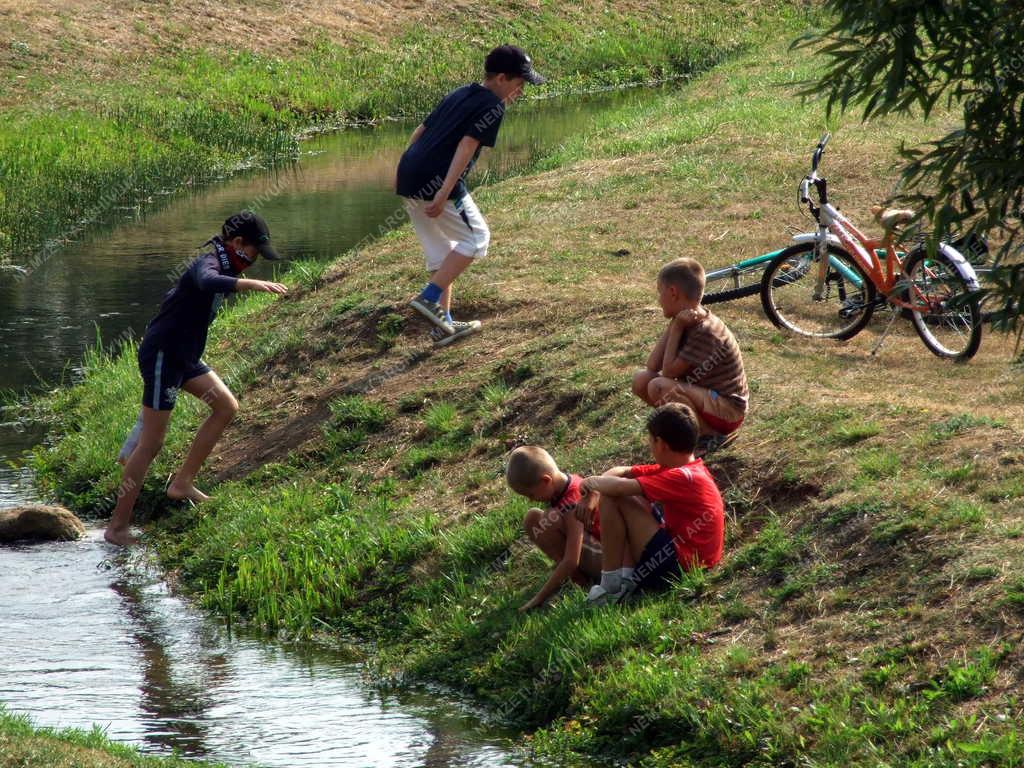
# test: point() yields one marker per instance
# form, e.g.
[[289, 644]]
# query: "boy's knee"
[[151, 447], [225, 406], [657, 390], [641, 383], [532, 522]]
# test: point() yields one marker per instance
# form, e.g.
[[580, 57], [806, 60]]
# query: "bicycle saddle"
[[890, 218]]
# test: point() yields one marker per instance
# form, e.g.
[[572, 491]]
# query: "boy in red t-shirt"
[[662, 517], [557, 533]]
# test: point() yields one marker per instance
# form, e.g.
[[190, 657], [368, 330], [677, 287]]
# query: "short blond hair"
[[686, 274], [527, 465]]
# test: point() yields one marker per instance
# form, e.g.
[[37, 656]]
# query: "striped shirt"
[[715, 356]]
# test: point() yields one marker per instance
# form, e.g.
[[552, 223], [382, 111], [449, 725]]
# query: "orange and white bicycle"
[[830, 282]]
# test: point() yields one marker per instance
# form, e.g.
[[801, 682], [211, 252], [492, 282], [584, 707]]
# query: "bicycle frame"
[[884, 273]]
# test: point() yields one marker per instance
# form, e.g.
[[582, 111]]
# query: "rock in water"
[[39, 522]]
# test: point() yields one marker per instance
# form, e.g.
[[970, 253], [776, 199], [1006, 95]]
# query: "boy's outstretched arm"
[[618, 472], [566, 566], [608, 485], [463, 154], [245, 284]]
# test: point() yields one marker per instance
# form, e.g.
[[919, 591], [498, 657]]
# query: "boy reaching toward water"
[[660, 517], [555, 531], [696, 361], [430, 179], [170, 359]]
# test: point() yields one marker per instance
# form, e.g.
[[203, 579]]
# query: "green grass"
[[74, 151], [23, 744], [849, 621]]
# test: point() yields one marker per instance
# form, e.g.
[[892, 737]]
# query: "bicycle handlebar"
[[819, 150], [813, 177]]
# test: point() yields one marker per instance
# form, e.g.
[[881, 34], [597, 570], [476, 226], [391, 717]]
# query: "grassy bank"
[[22, 744], [869, 609], [90, 130]]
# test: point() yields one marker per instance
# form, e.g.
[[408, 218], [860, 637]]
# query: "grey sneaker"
[[598, 596], [433, 311], [459, 329]]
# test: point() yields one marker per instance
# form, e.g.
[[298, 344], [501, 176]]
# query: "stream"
[[90, 636]]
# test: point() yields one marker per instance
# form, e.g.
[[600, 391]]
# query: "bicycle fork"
[[821, 251]]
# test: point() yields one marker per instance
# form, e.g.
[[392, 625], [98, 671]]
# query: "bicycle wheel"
[[734, 282], [947, 322], [788, 295]]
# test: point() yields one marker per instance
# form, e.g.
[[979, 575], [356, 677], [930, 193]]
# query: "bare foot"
[[121, 538], [177, 491]]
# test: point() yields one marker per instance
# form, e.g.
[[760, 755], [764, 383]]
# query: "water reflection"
[[337, 195], [124, 653]]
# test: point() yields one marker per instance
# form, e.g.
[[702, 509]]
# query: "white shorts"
[[460, 227]]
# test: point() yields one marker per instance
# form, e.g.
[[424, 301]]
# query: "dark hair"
[[677, 425]]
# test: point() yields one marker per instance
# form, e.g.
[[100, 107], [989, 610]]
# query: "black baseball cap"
[[252, 228], [512, 60]]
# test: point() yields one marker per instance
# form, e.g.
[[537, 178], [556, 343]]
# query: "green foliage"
[[309, 274], [898, 56], [24, 745], [967, 680], [441, 419], [855, 431], [961, 424], [389, 329]]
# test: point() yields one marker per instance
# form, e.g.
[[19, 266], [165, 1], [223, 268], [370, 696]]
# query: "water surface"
[[90, 640]]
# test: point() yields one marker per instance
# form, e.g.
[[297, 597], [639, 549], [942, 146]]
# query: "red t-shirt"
[[566, 504], [688, 500]]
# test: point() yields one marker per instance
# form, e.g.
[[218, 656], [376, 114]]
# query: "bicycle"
[[829, 284]]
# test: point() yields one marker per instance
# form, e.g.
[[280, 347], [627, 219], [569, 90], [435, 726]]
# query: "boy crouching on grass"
[[696, 361], [655, 518], [556, 531]]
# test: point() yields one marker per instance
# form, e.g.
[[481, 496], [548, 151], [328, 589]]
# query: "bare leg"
[[211, 390], [547, 531], [626, 526], [454, 264], [664, 390], [641, 385], [154, 428]]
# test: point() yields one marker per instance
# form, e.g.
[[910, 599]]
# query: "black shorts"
[[659, 564], [163, 373]]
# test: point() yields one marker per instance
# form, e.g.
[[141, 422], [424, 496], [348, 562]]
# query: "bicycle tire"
[[771, 281], [718, 297], [731, 294], [923, 325]]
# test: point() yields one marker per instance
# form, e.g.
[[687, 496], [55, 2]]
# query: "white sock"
[[611, 581], [626, 573]]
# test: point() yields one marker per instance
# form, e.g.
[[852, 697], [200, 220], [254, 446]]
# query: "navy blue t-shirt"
[[471, 110], [187, 310]]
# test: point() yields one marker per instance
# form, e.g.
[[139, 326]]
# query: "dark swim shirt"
[[188, 308], [471, 110]]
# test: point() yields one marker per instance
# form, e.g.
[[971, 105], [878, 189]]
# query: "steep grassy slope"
[[869, 608]]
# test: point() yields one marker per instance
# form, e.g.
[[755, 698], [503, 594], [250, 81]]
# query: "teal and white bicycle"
[[830, 281]]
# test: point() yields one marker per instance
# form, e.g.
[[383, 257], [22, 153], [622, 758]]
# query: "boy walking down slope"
[[430, 178], [170, 361]]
